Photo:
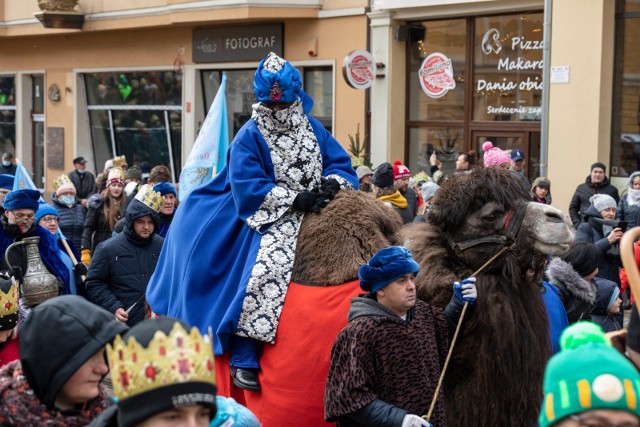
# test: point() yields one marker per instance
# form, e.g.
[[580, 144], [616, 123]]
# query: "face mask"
[[81, 171], [68, 200], [6, 163]]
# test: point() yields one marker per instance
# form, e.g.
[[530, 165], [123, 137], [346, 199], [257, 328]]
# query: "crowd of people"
[[101, 244]]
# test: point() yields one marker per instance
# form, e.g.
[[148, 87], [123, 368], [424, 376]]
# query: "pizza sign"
[[436, 75], [359, 69]]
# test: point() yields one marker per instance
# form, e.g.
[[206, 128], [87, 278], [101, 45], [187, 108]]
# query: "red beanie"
[[400, 170]]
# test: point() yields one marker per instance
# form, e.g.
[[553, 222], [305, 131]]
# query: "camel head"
[[346, 234]]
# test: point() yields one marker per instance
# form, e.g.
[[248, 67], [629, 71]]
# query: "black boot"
[[245, 378]]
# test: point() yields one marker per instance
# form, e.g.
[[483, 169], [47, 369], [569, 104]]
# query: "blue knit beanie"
[[231, 413], [165, 188], [386, 266], [45, 209], [22, 199]]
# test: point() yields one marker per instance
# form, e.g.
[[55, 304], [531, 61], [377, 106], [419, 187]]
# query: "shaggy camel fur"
[[496, 372]]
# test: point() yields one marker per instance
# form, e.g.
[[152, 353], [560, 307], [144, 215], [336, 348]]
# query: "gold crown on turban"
[[153, 199], [421, 177], [9, 300], [119, 161], [180, 357], [60, 181]]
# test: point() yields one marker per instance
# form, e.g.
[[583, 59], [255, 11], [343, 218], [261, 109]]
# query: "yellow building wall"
[[580, 111], [62, 55]]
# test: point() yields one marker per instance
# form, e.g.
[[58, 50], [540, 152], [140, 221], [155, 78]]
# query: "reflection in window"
[[448, 38], [318, 84], [625, 141], [138, 115], [447, 142], [507, 83], [7, 114]]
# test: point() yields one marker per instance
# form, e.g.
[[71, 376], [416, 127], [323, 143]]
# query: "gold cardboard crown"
[[119, 161], [115, 173], [177, 358], [153, 199], [60, 181], [421, 177], [9, 300]]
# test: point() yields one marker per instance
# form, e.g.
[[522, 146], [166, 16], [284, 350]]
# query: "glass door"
[[37, 130], [527, 141]]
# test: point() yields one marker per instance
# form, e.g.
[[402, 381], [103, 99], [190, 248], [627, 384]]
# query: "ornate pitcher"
[[38, 285]]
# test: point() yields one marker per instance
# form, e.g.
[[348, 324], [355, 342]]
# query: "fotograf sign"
[[245, 43]]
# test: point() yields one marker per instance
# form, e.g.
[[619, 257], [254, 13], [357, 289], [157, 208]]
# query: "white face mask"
[[6, 163]]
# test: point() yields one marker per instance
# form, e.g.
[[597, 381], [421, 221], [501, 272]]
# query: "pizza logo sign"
[[436, 75], [359, 69]]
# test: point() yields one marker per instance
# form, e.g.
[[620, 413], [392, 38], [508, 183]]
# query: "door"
[[528, 141]]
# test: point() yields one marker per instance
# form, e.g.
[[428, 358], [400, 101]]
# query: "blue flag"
[[209, 153], [23, 180]]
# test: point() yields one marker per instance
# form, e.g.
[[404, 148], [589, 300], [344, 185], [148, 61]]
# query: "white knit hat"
[[602, 202]]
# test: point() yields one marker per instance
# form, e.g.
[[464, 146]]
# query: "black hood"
[[604, 290], [58, 337], [135, 210]]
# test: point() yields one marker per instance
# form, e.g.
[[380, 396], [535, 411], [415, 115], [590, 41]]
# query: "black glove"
[[16, 272], [310, 201], [329, 188], [80, 269]]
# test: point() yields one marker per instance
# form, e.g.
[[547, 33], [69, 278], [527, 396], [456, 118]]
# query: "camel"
[[496, 371], [331, 246]]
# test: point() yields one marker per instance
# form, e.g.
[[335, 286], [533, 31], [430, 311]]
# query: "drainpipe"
[[546, 77]]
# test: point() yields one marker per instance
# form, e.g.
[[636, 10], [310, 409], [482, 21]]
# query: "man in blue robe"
[[227, 260]]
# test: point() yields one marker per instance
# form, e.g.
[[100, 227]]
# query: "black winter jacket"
[[71, 220], [96, 230], [580, 200], [122, 266], [609, 268], [85, 183]]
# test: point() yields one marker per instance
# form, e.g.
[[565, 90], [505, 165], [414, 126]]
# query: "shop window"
[[507, 78], [448, 38], [472, 78], [317, 82], [625, 141], [138, 115], [37, 130], [7, 114]]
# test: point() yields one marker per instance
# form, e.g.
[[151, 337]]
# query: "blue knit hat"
[[386, 266], [231, 413], [45, 209], [6, 181], [165, 188], [278, 81], [22, 199]]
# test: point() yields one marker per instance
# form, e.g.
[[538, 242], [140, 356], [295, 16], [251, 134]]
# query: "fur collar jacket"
[[576, 294]]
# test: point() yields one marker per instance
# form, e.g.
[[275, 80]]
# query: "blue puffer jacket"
[[71, 220], [122, 266]]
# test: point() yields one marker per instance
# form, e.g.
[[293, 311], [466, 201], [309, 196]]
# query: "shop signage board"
[[359, 69], [436, 75], [241, 43]]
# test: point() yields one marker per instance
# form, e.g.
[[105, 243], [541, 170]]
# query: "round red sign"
[[436, 75], [359, 69]]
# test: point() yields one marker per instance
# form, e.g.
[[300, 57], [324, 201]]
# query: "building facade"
[[138, 81]]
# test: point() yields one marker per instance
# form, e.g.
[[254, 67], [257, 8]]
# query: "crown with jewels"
[[9, 300], [119, 161], [176, 358], [153, 199], [60, 181]]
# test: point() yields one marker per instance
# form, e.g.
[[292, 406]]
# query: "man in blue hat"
[[18, 223], [517, 167], [386, 362]]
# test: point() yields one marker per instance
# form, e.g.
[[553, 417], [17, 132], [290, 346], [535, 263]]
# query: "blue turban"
[[165, 188], [6, 181], [278, 81], [386, 266], [22, 199], [45, 209]]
